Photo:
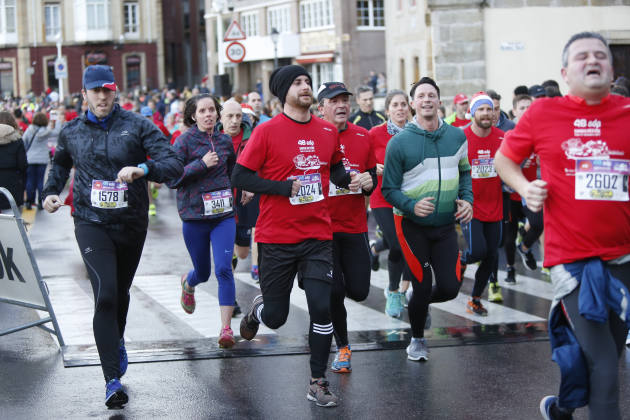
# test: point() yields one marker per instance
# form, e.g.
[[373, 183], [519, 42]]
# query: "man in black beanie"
[[290, 161]]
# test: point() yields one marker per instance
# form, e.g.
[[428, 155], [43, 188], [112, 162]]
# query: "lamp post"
[[274, 38], [60, 81]]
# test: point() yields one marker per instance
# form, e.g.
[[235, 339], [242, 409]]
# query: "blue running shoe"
[[115, 397], [393, 306], [123, 357], [547, 409]]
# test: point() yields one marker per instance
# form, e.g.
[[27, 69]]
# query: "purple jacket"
[[198, 180]]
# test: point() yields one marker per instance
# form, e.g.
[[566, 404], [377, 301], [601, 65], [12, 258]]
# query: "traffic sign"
[[61, 68], [234, 32], [235, 52]]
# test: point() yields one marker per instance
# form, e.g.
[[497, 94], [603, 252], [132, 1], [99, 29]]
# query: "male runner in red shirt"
[[483, 233], [584, 148], [351, 252], [290, 161]]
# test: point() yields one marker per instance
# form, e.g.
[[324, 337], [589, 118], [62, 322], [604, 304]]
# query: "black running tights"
[[111, 258], [351, 278]]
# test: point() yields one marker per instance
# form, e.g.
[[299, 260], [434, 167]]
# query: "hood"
[[415, 128], [8, 134]]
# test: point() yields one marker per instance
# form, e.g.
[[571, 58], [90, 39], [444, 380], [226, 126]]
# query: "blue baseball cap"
[[98, 76]]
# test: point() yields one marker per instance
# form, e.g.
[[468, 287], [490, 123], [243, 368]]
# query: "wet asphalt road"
[[502, 380]]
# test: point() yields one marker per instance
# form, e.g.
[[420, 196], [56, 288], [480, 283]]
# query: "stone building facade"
[[473, 45]]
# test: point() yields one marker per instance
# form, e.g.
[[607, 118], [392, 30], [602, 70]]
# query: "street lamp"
[[274, 38]]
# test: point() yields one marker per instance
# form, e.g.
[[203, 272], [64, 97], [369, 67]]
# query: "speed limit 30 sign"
[[235, 52]]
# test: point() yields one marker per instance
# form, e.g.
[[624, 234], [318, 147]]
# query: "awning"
[[315, 58]]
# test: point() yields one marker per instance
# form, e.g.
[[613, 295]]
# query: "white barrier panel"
[[20, 281], [17, 277]]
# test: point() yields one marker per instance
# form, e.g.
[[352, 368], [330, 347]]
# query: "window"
[[132, 63], [130, 11], [279, 18], [249, 23], [51, 81], [371, 13], [52, 17], [97, 14], [320, 73], [315, 14], [6, 78], [7, 17]]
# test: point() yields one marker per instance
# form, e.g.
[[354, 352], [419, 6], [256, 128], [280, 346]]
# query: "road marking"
[[524, 284]]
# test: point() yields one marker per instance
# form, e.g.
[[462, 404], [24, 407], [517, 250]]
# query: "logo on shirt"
[[306, 163], [483, 153], [124, 133], [587, 128], [306, 146], [576, 149]]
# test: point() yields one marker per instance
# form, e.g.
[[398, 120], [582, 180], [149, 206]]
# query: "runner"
[[206, 206], [582, 142], [397, 110], [290, 161], [483, 233], [425, 211], [111, 206], [351, 253]]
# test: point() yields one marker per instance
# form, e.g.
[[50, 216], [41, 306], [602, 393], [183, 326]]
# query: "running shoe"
[[341, 364], [318, 391], [511, 275], [152, 210], [226, 339], [494, 293], [124, 362], [254, 273], [408, 295], [393, 306], [154, 191], [474, 306], [628, 339], [115, 397], [547, 408], [249, 323], [374, 262], [528, 258], [188, 296], [545, 271], [418, 350], [234, 261], [237, 310]]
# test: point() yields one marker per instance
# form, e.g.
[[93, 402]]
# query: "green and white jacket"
[[420, 163]]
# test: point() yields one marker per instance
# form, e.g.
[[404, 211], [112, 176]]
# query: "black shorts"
[[279, 263], [243, 236], [246, 215]]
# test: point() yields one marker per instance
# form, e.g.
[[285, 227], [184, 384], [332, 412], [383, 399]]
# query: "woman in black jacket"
[[12, 161]]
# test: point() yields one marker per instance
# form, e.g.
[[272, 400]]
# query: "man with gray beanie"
[[290, 161]]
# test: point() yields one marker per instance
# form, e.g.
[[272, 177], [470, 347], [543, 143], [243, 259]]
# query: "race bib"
[[483, 168], [109, 194], [602, 179], [311, 190], [335, 191], [217, 202]]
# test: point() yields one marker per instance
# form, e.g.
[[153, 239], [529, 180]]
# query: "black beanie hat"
[[282, 78]]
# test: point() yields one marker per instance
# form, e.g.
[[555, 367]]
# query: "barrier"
[[20, 280]]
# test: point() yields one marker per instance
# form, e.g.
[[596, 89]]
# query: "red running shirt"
[[283, 148], [347, 211], [486, 184], [460, 123], [584, 151], [379, 137]]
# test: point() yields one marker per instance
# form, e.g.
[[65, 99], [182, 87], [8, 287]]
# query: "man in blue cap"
[[108, 147]]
